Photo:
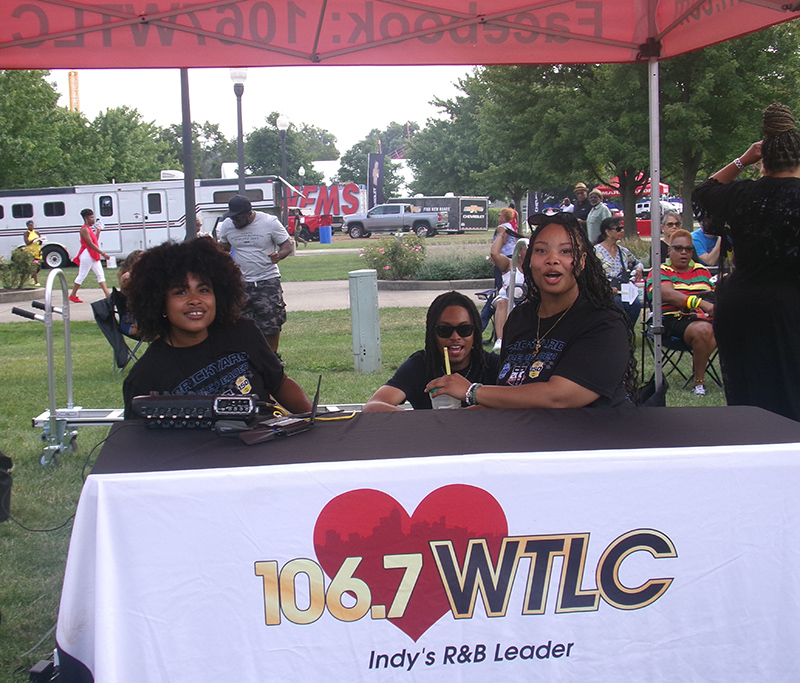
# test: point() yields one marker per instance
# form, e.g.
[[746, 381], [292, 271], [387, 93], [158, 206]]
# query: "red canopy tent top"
[[46, 34]]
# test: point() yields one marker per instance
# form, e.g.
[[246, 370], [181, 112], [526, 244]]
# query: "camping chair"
[[108, 314], [673, 350]]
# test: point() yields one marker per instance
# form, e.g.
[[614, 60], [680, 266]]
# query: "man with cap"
[[581, 207], [598, 213], [259, 241]]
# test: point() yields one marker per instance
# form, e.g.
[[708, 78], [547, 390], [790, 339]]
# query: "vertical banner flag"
[[375, 180]]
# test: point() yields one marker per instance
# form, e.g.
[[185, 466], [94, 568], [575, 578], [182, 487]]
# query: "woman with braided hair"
[[567, 345], [757, 316]]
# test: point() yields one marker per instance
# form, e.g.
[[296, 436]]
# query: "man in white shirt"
[[259, 241]]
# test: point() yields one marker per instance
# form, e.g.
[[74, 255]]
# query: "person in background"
[[581, 207], [706, 247], [670, 222], [186, 299], [33, 243], [89, 256], [502, 263], [127, 323], [452, 326], [514, 215], [566, 205], [597, 214], [619, 263], [687, 306], [757, 318], [567, 345], [259, 242]]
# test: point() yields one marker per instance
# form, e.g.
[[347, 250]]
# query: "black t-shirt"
[[581, 211], [412, 378], [589, 346], [234, 359]]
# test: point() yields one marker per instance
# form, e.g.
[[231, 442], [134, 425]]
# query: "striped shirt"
[[696, 280]]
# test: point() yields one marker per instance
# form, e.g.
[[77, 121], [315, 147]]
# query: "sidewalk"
[[299, 296]]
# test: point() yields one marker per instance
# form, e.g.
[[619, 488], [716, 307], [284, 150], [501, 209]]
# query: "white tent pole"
[[655, 217]]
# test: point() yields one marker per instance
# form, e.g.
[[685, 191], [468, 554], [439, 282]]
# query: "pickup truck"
[[395, 218]]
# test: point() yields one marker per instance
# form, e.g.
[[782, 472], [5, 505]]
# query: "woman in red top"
[[89, 256]]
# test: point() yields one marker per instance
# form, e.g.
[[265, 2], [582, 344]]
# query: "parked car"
[[643, 208], [395, 218]]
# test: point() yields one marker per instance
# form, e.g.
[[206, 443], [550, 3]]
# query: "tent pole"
[[655, 217], [188, 159]]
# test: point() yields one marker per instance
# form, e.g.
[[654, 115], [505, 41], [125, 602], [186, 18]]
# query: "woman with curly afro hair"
[[186, 298], [567, 345]]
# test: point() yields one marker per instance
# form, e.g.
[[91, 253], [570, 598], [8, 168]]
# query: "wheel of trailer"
[[54, 257], [72, 446], [305, 233], [356, 231], [421, 229]]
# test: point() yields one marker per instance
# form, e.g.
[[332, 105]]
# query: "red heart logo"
[[370, 524]]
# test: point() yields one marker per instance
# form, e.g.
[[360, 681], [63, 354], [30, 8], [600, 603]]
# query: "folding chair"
[[108, 314], [673, 350]]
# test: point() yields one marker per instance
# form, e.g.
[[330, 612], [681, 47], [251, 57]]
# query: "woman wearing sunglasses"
[[670, 222], [453, 326], [567, 345], [619, 264], [687, 310]]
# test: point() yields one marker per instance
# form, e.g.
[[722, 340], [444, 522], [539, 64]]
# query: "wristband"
[[738, 162], [470, 399]]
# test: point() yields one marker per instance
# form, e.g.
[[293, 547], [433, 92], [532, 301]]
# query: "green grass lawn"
[[43, 498]]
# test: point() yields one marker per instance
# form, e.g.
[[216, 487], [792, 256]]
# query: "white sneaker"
[[497, 346], [699, 390]]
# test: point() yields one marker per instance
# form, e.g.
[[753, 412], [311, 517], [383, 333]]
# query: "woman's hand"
[[752, 155], [707, 307], [452, 385]]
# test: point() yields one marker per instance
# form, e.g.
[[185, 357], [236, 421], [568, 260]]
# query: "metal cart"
[[57, 424]]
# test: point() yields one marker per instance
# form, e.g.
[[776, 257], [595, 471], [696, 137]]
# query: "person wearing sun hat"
[[581, 207], [598, 213]]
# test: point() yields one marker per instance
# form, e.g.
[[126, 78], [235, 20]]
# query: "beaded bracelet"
[[470, 399]]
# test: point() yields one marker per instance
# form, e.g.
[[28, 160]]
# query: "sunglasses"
[[618, 229], [682, 250], [446, 331]]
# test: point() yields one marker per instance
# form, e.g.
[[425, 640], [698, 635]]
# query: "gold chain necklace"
[[544, 336]]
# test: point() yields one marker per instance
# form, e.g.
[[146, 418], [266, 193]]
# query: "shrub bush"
[[17, 271], [395, 258], [456, 264]]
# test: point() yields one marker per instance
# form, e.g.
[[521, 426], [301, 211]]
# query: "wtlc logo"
[[414, 569]]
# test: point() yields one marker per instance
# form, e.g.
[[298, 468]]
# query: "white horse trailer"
[[134, 215]]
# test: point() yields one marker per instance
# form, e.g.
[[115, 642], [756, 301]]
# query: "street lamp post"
[[239, 76], [283, 125]]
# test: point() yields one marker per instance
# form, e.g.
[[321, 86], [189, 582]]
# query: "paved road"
[[300, 296]]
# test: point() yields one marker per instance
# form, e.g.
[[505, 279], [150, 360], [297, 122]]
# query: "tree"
[[42, 144], [210, 147], [318, 143], [263, 153], [445, 155], [135, 148], [353, 163], [712, 101]]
